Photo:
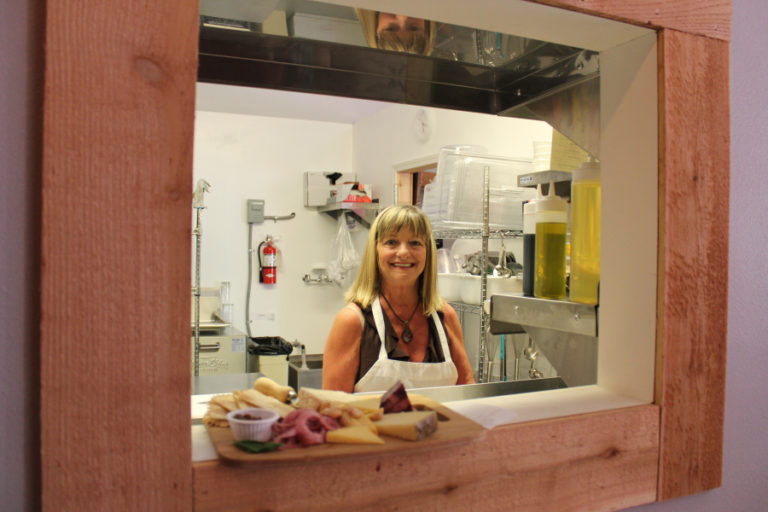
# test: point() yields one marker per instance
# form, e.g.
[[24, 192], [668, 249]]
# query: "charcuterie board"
[[453, 428]]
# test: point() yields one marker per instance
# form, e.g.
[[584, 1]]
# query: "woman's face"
[[401, 257], [404, 27]]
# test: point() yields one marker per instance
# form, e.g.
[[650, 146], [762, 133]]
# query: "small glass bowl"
[[254, 424]]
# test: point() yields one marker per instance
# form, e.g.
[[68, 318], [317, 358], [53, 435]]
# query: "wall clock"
[[422, 126]]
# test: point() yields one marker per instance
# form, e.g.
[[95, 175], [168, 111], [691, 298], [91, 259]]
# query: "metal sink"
[[309, 377]]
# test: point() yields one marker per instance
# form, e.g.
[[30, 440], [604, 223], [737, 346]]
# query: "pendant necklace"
[[407, 333]]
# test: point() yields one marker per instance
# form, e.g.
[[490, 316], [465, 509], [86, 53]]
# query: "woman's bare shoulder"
[[449, 313], [350, 317]]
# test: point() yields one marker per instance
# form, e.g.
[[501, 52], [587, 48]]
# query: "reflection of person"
[[397, 32], [394, 299]]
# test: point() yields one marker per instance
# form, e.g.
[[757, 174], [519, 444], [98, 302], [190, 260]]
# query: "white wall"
[[21, 83], [251, 157]]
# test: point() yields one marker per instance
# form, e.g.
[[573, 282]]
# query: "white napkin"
[[488, 416]]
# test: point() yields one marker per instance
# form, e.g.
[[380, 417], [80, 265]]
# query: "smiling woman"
[[411, 336], [100, 134]]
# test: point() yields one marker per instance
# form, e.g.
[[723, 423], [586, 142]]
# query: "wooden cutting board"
[[453, 428]]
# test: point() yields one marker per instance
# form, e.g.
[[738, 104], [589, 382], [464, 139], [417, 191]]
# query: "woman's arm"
[[341, 357], [456, 344]]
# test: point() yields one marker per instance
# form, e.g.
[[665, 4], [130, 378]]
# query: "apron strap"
[[378, 319]]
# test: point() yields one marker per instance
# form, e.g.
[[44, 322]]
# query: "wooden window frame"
[[117, 183]]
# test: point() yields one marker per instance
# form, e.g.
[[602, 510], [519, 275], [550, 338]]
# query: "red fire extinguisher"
[[267, 263]]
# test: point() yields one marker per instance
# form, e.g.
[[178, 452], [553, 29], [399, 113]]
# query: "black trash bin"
[[266, 346]]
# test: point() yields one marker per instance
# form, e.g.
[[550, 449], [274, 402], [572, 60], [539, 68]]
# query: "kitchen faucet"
[[303, 348]]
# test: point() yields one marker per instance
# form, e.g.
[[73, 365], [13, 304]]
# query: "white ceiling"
[[273, 103]]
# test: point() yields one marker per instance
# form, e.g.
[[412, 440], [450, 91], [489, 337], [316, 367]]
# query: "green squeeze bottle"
[[551, 219]]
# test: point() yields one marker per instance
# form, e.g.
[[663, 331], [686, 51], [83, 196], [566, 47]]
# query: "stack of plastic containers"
[[455, 197]]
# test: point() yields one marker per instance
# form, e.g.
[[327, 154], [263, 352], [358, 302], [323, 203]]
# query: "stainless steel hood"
[[468, 69]]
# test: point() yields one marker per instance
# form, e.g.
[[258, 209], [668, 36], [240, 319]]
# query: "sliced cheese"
[[226, 402], [218, 407], [412, 425], [361, 421], [312, 398], [352, 435], [367, 405], [253, 398]]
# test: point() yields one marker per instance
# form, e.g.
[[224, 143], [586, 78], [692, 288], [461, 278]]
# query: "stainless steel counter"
[[209, 384], [470, 391]]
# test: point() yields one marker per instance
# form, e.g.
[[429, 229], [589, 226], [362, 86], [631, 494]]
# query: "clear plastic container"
[[460, 187], [471, 290], [449, 286], [256, 428]]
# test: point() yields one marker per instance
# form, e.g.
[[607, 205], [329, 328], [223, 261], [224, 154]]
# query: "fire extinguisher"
[[267, 263]]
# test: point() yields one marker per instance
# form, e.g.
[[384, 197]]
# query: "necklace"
[[407, 333]]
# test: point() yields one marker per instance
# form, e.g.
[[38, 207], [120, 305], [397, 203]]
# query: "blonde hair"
[[421, 44], [393, 219]]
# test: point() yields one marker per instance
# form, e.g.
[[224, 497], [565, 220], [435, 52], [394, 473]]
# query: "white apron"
[[385, 371]]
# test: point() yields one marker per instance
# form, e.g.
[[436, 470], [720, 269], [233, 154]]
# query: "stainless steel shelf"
[[461, 306], [453, 234], [363, 212], [509, 312], [543, 177]]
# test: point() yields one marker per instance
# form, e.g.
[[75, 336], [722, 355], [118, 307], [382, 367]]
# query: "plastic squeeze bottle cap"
[[589, 171], [550, 203]]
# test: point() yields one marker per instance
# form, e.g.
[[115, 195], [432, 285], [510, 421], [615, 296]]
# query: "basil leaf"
[[257, 446]]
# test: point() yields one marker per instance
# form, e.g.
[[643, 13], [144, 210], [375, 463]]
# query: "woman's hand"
[[341, 357], [456, 345]]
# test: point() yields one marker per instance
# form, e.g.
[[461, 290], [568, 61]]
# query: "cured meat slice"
[[303, 427]]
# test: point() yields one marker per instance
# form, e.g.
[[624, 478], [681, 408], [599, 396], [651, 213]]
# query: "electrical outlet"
[[255, 211]]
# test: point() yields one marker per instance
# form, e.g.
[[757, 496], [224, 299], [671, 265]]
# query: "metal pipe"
[[484, 320], [196, 293], [197, 204]]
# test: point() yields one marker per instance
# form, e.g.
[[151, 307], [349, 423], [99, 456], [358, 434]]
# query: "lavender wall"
[[21, 33], [746, 453]]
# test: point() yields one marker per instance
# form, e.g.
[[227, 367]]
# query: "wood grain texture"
[[706, 18], [694, 255], [117, 167], [593, 462]]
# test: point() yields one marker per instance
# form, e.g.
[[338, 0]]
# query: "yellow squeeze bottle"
[[585, 233], [551, 217]]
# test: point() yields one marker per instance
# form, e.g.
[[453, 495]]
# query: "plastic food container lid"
[[258, 428]]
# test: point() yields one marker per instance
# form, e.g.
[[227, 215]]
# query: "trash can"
[[268, 355]]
